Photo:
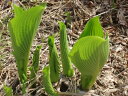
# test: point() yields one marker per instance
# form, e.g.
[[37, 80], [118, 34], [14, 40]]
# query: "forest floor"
[[113, 79]]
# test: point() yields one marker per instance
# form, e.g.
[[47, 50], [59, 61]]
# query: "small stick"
[[103, 12], [70, 94]]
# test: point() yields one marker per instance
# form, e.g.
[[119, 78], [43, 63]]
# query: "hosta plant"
[[35, 65], [64, 50], [22, 30], [54, 61], [90, 52], [47, 82]]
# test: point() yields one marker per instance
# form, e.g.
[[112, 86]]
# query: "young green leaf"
[[93, 28], [66, 62], [22, 30], [47, 82], [90, 52], [53, 60], [35, 62], [89, 55]]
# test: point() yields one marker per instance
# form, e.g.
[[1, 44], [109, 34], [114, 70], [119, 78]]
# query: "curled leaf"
[[53, 60], [66, 62], [47, 82]]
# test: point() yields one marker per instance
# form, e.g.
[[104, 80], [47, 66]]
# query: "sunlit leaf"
[[22, 30], [93, 28], [90, 52], [89, 55]]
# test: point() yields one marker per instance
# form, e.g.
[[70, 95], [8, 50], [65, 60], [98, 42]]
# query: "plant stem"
[[22, 70], [87, 82]]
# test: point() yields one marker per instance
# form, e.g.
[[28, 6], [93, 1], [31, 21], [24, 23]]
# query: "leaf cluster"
[[89, 53]]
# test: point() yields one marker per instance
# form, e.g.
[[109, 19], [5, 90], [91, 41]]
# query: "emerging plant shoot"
[[66, 62], [90, 52], [35, 63], [35, 66], [22, 30], [53, 60], [47, 82]]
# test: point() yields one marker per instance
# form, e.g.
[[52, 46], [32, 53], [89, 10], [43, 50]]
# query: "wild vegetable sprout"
[[51, 73], [22, 30], [66, 62], [90, 52], [35, 65], [54, 61], [47, 82]]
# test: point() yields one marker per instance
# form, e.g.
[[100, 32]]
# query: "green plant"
[[47, 82], [90, 52], [68, 19], [35, 63], [53, 60], [8, 91], [35, 66], [93, 28], [22, 30], [66, 62]]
